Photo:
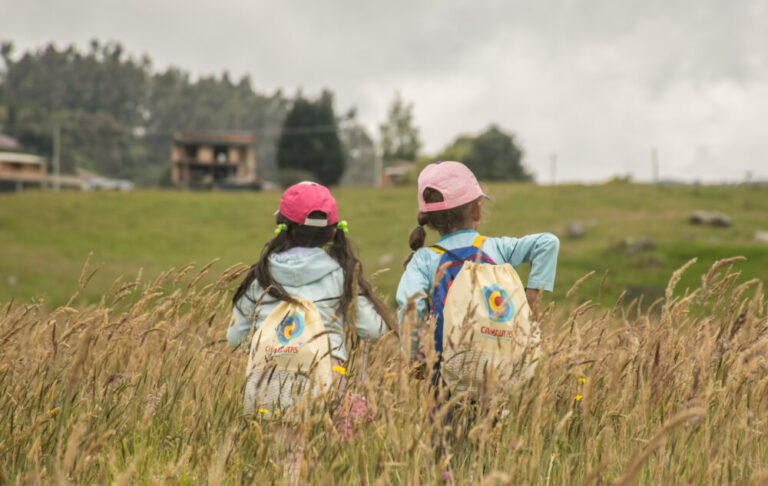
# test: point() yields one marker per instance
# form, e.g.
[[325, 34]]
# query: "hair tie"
[[343, 226], [280, 228]]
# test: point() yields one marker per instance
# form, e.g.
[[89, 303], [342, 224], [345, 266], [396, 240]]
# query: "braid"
[[417, 236]]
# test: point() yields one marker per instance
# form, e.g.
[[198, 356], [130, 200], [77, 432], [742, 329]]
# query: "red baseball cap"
[[453, 180], [301, 199]]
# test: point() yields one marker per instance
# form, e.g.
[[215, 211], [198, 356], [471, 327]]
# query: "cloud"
[[597, 82]]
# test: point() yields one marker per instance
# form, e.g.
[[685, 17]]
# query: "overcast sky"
[[599, 83]]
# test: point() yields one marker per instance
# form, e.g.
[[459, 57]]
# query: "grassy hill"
[[46, 237], [142, 388]]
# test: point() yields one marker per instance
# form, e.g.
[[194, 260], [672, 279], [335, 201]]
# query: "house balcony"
[[194, 162]]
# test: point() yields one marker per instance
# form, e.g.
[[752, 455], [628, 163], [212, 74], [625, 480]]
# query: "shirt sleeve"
[[369, 324], [243, 318], [540, 250], [414, 284]]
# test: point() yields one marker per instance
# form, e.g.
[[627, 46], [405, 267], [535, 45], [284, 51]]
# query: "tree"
[[6, 51], [494, 155], [309, 141], [360, 151], [456, 150], [96, 98], [117, 117], [399, 137]]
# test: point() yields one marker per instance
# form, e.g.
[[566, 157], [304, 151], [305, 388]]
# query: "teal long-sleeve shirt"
[[312, 274], [540, 250]]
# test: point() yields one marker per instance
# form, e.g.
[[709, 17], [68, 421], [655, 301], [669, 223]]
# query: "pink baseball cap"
[[453, 180], [301, 199]]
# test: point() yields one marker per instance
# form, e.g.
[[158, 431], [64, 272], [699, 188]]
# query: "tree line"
[[118, 115]]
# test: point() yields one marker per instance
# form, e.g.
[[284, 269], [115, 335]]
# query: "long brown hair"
[[340, 249], [444, 222]]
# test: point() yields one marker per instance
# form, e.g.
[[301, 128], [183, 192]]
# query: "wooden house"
[[19, 170], [214, 159]]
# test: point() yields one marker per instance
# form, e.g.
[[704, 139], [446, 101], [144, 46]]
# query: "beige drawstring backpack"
[[290, 359], [483, 325]]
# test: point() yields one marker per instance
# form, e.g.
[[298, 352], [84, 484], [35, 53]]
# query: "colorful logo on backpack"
[[291, 328], [498, 303]]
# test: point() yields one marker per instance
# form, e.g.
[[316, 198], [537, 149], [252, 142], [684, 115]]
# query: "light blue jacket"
[[540, 250], [312, 274]]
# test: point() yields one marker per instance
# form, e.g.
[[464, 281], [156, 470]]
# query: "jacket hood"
[[300, 266]]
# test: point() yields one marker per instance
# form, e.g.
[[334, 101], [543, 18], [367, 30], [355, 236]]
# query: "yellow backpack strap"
[[437, 249], [478, 243]]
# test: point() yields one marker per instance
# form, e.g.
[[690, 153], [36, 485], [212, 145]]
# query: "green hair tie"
[[343, 226], [280, 228]]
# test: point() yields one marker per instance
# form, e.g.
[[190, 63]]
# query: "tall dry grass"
[[142, 388]]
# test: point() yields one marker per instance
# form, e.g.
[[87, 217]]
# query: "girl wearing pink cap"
[[450, 202], [295, 263]]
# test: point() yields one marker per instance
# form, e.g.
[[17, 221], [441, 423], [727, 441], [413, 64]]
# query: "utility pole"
[[655, 164], [553, 168], [378, 163], [56, 155]]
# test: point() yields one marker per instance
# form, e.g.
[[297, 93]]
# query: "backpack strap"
[[442, 251], [478, 243], [300, 299], [437, 249]]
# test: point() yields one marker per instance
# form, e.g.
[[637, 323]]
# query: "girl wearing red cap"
[[295, 266], [294, 263]]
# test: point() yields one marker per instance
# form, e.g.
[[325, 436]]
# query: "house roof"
[[20, 158], [399, 167], [8, 143], [216, 137]]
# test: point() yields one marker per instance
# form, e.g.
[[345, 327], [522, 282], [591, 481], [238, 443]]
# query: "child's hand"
[[533, 296]]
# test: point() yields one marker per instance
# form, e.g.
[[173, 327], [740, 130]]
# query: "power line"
[[165, 134]]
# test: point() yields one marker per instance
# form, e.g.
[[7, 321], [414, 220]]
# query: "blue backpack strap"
[[451, 262]]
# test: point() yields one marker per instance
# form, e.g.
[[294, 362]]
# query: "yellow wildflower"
[[339, 369], [262, 410]]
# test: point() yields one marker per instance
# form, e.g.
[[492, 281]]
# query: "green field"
[[45, 237], [134, 383]]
